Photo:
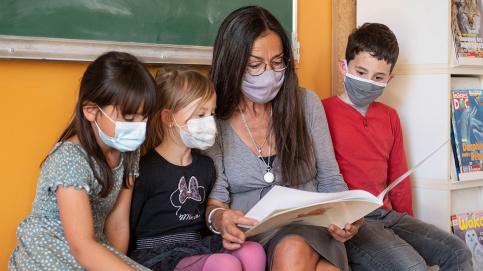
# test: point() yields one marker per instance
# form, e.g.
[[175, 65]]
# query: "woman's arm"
[[225, 222], [328, 176], [116, 227], [77, 223]]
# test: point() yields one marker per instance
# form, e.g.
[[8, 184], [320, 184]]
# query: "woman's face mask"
[[262, 88], [128, 135], [362, 91], [201, 132]]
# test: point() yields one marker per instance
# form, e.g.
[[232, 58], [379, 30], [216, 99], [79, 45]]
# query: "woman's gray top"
[[240, 172]]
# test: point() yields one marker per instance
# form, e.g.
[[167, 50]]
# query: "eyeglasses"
[[259, 67]]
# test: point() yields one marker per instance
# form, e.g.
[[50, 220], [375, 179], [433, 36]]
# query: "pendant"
[[269, 177]]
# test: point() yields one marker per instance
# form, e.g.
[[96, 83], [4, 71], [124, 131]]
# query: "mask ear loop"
[[105, 114], [99, 128], [177, 125], [346, 70], [388, 77], [181, 127]]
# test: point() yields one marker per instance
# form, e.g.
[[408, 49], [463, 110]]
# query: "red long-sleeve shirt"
[[369, 150]]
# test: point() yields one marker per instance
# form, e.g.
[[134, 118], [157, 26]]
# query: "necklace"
[[268, 176]]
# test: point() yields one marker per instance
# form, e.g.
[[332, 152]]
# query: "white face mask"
[[202, 133], [128, 135]]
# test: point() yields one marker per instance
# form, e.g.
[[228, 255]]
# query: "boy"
[[368, 145]]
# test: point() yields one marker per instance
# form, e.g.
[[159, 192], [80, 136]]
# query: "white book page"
[[280, 198]]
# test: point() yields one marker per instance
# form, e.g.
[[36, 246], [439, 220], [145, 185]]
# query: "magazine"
[[467, 117], [469, 227], [454, 148], [466, 28], [282, 206]]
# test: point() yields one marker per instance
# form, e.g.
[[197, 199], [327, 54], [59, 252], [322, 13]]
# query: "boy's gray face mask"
[[361, 91]]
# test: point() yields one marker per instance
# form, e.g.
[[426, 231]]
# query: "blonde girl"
[[168, 205]]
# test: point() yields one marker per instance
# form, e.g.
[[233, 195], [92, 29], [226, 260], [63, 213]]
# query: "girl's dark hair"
[[117, 79], [376, 39], [231, 53]]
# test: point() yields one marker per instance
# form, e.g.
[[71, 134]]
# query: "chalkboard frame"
[[74, 50]]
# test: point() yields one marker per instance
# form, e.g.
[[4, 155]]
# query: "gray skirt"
[[318, 238]]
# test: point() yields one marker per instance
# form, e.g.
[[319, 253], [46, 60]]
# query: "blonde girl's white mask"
[[202, 132], [362, 91], [128, 135]]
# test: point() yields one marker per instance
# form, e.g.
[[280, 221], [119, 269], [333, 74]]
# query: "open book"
[[282, 206]]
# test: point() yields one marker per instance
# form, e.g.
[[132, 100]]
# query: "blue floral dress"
[[41, 240]]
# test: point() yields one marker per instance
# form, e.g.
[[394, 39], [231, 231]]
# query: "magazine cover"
[[469, 227], [467, 124], [466, 21]]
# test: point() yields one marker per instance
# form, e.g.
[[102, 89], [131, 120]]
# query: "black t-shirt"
[[170, 199]]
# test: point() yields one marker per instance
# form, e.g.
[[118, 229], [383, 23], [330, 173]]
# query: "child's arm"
[[76, 217], [140, 195], [116, 228], [401, 195]]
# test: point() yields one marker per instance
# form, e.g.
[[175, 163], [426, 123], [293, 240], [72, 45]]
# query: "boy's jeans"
[[388, 240]]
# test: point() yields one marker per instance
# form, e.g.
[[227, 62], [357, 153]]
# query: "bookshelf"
[[420, 92]]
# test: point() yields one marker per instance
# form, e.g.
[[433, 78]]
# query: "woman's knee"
[[295, 243], [324, 265], [295, 250]]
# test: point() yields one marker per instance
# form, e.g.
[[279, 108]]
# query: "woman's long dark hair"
[[231, 53], [117, 79]]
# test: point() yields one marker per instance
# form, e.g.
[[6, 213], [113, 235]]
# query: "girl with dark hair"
[[80, 215], [169, 197], [270, 132]]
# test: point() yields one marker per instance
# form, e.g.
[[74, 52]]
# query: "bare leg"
[[293, 253], [324, 265]]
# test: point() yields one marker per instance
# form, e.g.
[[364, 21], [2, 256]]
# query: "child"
[[369, 149], [79, 218], [168, 205]]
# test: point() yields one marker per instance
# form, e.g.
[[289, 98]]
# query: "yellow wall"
[[314, 28], [37, 100]]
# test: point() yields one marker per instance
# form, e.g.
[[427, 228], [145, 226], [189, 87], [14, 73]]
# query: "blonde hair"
[[177, 87]]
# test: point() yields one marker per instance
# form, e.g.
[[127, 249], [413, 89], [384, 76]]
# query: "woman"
[[270, 132]]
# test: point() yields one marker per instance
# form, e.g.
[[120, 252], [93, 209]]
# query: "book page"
[[337, 212], [281, 198]]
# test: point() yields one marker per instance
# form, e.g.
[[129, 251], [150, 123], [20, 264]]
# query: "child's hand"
[[347, 232]]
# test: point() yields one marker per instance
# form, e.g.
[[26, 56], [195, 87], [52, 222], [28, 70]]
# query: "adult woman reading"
[[270, 132]]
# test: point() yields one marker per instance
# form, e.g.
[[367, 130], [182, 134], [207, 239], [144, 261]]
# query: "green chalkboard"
[[178, 22]]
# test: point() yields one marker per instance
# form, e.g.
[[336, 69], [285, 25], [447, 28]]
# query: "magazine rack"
[[420, 92]]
